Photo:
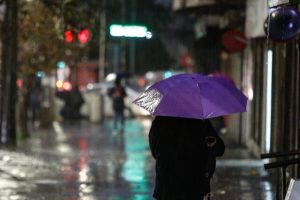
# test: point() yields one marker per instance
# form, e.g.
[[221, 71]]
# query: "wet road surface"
[[85, 161]]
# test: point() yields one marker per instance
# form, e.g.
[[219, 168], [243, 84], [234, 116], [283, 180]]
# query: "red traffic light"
[[68, 34], [83, 36]]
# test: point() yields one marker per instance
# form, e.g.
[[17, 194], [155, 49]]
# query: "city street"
[[84, 161], [67, 67]]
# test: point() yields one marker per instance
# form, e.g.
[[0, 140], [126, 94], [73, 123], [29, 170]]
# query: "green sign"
[[128, 30]]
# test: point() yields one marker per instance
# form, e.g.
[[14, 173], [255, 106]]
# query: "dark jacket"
[[181, 153], [117, 94]]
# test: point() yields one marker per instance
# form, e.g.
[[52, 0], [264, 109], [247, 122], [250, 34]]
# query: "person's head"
[[118, 81]]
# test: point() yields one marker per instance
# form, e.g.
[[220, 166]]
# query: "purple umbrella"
[[192, 96]]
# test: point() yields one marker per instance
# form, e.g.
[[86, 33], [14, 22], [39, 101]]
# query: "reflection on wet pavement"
[[84, 161], [78, 161], [133, 170]]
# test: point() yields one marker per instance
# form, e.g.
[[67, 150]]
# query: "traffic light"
[[83, 36], [68, 34]]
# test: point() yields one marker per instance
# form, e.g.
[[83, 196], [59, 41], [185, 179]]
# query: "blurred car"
[[102, 88]]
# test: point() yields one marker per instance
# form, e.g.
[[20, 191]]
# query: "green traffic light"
[[61, 64]]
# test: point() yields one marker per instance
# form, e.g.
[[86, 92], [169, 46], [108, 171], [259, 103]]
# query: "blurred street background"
[[59, 59]]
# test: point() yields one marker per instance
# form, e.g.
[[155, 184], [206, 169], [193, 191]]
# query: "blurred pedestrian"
[[185, 151], [73, 101], [117, 94], [76, 101], [34, 94]]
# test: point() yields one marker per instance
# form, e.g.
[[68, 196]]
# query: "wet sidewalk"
[[85, 161], [241, 176]]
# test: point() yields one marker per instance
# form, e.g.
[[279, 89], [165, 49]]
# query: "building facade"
[[266, 71]]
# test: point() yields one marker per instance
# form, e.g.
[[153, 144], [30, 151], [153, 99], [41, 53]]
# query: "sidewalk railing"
[[283, 164]]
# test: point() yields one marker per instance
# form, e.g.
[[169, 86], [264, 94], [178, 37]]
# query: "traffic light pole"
[[132, 45], [9, 75], [102, 47], [123, 11], [102, 42]]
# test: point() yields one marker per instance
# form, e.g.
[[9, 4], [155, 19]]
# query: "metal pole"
[[132, 56], [102, 41], [123, 41], [297, 127], [283, 181], [102, 47], [132, 42], [9, 74], [116, 57], [278, 184], [241, 124]]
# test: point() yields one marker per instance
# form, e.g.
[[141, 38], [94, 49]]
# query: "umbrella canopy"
[[192, 96], [222, 75]]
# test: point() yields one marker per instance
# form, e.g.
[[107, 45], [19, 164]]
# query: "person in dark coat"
[[117, 94], [76, 101], [185, 151], [34, 102], [73, 101]]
